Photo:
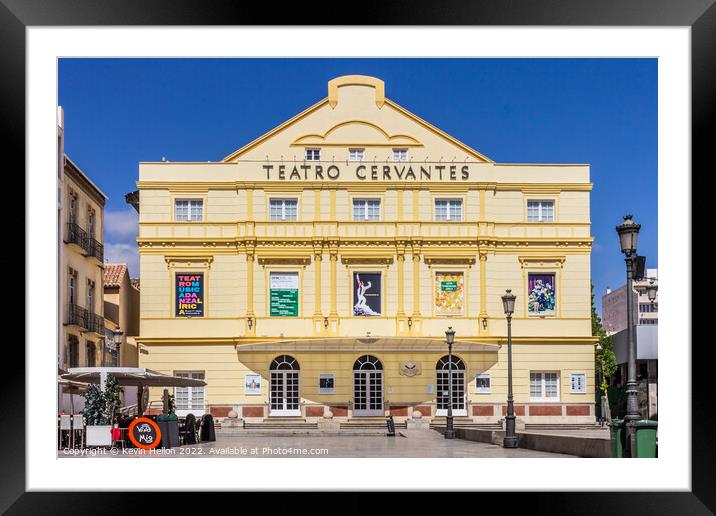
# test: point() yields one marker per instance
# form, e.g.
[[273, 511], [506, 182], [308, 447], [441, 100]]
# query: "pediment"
[[357, 133], [356, 114]]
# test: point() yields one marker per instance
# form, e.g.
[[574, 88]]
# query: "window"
[[283, 209], [90, 223], [313, 154], [448, 210], [647, 308], [73, 287], [73, 351], [356, 154], [90, 296], [189, 210], [91, 354], [540, 211], [366, 209], [648, 322], [482, 383], [578, 383], [400, 154], [114, 357], [189, 399], [544, 386], [73, 208]]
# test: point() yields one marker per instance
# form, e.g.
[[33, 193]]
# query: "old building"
[[121, 315], [644, 312], [318, 267], [80, 219]]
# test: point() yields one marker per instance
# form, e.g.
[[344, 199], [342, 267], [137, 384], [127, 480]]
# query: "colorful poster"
[[541, 294], [449, 293], [367, 298], [283, 294], [189, 294]]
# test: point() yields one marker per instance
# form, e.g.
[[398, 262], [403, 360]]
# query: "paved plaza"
[[408, 443]]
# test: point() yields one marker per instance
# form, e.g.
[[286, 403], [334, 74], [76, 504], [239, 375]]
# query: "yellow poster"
[[449, 293]]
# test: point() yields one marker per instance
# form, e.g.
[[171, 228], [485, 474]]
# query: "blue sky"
[[119, 112]]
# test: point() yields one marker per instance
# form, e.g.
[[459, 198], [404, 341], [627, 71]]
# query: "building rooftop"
[[113, 274]]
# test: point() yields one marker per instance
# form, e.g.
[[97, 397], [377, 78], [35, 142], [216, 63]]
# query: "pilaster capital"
[[317, 249], [415, 248], [250, 249]]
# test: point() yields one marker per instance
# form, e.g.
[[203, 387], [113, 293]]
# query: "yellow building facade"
[[314, 272]]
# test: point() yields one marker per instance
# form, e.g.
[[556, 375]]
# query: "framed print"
[[367, 293], [252, 384], [283, 294], [189, 291], [146, 120], [482, 383], [327, 383], [449, 293], [541, 294]]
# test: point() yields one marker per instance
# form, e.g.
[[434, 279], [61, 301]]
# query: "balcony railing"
[[94, 248], [76, 235], [77, 316], [95, 323]]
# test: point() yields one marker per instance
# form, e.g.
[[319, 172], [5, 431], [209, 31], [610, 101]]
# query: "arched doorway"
[[368, 386], [458, 386], [284, 394]]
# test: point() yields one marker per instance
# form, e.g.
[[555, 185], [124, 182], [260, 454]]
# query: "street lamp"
[[510, 441], [600, 380], [450, 337], [651, 290], [113, 343], [628, 232]]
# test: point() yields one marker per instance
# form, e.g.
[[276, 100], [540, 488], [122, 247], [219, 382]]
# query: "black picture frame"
[[699, 15]]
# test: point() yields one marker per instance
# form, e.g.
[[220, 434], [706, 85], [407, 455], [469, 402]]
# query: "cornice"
[[535, 249], [205, 186]]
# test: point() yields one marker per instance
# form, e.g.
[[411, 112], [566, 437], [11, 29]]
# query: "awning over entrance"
[[127, 376], [367, 344]]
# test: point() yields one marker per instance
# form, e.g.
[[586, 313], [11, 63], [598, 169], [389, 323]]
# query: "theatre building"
[[314, 271]]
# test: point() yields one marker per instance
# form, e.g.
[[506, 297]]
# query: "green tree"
[[101, 406], [604, 359]]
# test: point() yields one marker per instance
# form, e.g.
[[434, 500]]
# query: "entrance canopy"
[[367, 344], [127, 376]]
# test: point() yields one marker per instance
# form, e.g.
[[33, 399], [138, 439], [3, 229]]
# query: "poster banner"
[[252, 384], [541, 297], [189, 290], [367, 295], [449, 293], [283, 293]]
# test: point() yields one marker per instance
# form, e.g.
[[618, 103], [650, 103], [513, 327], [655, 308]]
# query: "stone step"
[[557, 426], [368, 423], [276, 432], [281, 423]]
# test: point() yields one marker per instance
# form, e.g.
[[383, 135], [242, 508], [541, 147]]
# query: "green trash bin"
[[645, 436], [617, 434]]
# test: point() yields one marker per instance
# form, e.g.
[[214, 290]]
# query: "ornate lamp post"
[[113, 341], [628, 232], [600, 380], [510, 441], [651, 290], [450, 337]]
